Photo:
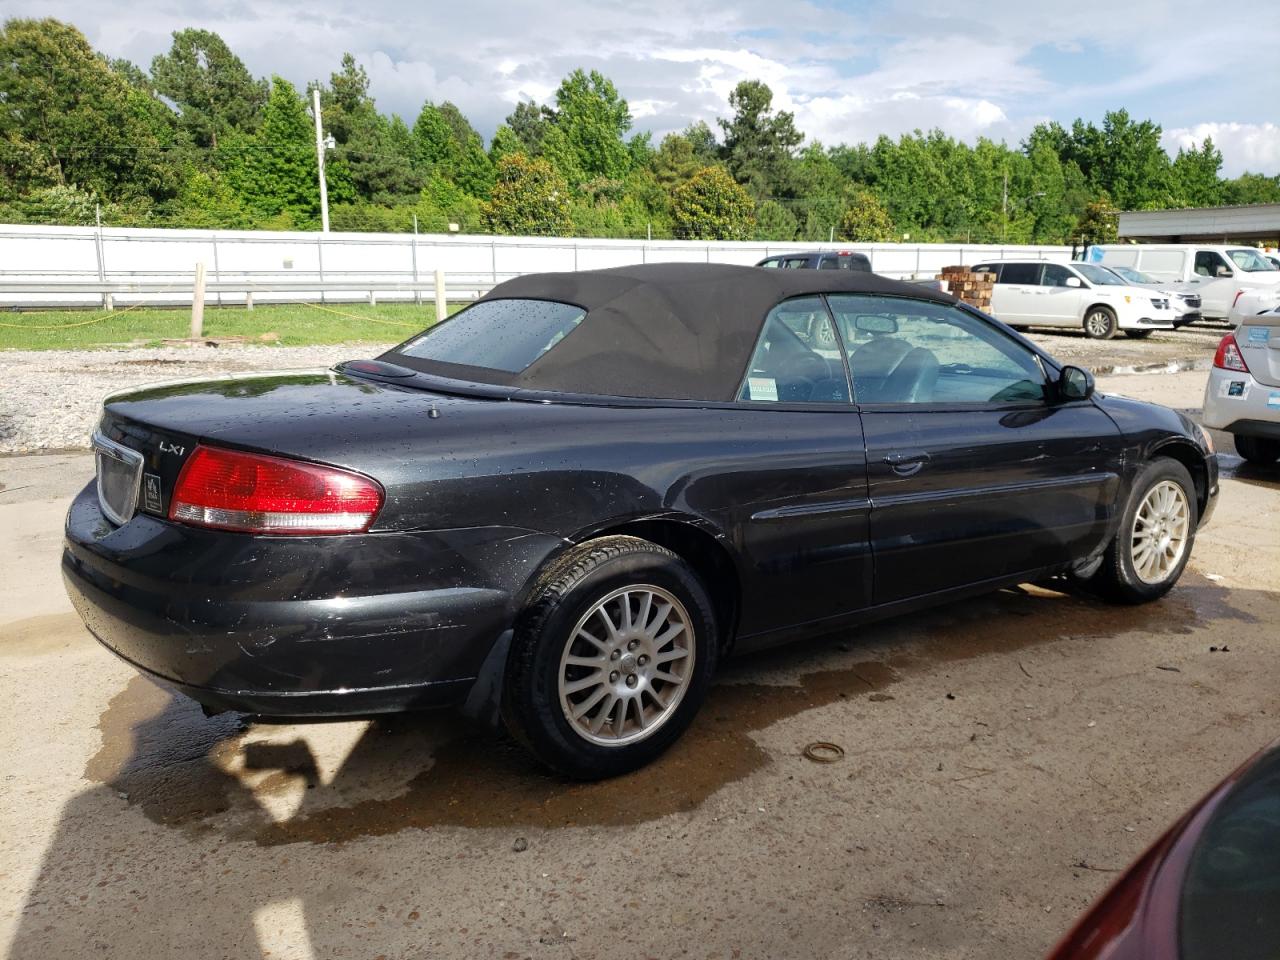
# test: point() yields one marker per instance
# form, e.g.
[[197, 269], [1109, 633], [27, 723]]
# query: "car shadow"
[[243, 799]]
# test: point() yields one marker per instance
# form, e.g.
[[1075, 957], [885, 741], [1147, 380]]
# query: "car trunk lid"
[[1259, 340], [145, 436]]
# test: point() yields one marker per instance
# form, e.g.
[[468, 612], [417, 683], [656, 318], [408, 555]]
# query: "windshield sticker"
[[763, 388], [1232, 388], [1259, 334]]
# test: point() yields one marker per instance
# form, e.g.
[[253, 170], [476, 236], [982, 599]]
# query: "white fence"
[[51, 254]]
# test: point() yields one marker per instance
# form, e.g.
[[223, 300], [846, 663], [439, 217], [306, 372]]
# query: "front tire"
[[1100, 323], [1157, 530], [1261, 451], [611, 659]]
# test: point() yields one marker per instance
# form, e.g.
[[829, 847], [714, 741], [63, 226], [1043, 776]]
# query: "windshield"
[[506, 335], [1099, 275], [1130, 275], [1251, 261]]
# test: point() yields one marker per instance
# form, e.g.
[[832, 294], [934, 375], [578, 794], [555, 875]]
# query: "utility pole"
[[324, 189], [1004, 204]]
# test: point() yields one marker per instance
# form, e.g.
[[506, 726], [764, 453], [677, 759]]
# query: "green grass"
[[291, 324]]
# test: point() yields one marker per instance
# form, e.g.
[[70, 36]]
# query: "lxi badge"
[[151, 493]]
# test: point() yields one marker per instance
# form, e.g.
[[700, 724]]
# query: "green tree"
[[866, 220], [376, 152], [759, 143], [703, 139], [1098, 222], [1251, 188], [274, 170], [711, 205], [675, 161], [529, 122], [445, 143], [504, 143], [68, 119], [775, 222], [594, 119], [1196, 175], [529, 197], [214, 92]]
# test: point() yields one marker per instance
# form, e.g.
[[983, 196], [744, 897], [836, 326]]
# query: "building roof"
[[1255, 221]]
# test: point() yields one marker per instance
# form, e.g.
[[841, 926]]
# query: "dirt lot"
[[1003, 758]]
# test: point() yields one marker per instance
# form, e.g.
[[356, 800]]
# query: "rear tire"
[[1262, 451], [611, 659], [1100, 323], [1138, 334], [1157, 531]]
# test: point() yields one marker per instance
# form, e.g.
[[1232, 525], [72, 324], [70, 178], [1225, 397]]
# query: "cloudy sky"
[[848, 70]]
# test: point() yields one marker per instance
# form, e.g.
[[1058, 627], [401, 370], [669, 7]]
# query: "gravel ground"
[[49, 399]]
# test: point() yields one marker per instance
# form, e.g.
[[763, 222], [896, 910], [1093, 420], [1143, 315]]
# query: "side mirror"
[[1225, 272], [1074, 282], [1075, 384]]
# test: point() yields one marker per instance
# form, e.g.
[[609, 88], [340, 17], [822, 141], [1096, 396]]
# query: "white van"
[[1036, 293], [1220, 273]]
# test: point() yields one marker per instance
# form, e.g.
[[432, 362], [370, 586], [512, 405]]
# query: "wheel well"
[[1193, 460], [1096, 306], [704, 553]]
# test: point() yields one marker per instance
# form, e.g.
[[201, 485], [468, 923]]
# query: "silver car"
[[1242, 396], [1186, 303]]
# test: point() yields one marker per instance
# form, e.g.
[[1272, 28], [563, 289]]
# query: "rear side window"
[[797, 359], [506, 335], [1020, 273], [771, 263]]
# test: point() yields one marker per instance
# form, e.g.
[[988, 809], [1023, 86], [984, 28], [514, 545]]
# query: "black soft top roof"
[[678, 331]]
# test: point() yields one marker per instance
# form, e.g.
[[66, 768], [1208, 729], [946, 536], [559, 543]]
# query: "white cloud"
[[1253, 147]]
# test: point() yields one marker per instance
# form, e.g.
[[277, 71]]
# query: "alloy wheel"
[[1160, 530], [627, 665], [1098, 324]]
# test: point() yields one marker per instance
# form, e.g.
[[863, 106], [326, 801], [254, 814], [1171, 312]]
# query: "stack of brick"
[[972, 288]]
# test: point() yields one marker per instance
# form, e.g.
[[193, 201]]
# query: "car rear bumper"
[[296, 626], [1237, 403]]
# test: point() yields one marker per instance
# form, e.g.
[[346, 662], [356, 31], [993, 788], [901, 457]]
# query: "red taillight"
[[1228, 355], [252, 493]]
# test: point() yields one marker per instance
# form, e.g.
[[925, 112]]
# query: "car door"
[[976, 473], [1057, 302], [1013, 295], [1217, 290], [798, 496]]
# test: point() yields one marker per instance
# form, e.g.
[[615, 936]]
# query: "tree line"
[[197, 141]]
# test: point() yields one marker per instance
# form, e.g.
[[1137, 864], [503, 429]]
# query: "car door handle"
[[907, 462]]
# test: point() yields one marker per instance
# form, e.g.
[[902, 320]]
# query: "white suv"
[[1034, 293], [1242, 396]]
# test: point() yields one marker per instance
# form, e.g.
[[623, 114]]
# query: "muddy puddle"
[[179, 768]]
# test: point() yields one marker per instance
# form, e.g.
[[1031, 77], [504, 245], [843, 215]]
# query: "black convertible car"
[[565, 504]]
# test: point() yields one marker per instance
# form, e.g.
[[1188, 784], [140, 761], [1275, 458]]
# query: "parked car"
[[1242, 396], [1186, 304], [1250, 303], [568, 502], [819, 260], [1034, 293], [1209, 889], [1220, 273]]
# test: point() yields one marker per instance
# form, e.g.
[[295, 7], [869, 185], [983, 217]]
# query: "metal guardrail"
[[441, 288]]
